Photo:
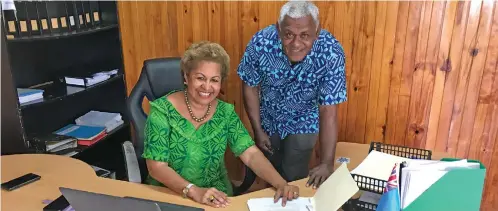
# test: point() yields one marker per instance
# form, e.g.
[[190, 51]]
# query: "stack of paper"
[[90, 80], [101, 119], [86, 135], [378, 165], [415, 178], [27, 95], [331, 195], [419, 175]]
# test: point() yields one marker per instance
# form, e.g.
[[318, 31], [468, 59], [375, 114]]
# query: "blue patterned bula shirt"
[[290, 95]]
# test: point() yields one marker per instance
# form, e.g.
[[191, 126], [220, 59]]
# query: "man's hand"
[[263, 142], [319, 174], [286, 192]]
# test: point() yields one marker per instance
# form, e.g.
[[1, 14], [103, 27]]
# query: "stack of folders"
[[86, 135], [24, 19], [56, 144], [419, 175], [89, 80], [447, 184], [101, 119], [26, 95]]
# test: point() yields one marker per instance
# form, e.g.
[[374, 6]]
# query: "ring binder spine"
[[41, 7], [22, 18]]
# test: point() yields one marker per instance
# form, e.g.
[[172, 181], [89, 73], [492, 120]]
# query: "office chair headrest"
[[164, 75]]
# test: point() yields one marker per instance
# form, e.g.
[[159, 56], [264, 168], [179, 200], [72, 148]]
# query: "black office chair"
[[158, 77]]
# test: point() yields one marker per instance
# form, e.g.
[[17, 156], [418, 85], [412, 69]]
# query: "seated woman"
[[187, 133]]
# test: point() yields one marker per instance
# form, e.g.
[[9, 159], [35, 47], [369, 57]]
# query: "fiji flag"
[[389, 200]]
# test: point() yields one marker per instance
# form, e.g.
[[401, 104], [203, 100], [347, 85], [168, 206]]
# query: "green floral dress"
[[196, 155]]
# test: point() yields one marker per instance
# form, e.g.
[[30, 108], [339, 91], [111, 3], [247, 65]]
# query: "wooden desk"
[[59, 171]]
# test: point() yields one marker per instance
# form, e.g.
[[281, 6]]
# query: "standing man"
[[293, 74]]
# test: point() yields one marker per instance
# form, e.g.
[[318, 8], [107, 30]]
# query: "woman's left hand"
[[286, 192]]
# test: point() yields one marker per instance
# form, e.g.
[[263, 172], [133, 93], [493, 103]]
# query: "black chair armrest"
[[249, 179], [131, 163]]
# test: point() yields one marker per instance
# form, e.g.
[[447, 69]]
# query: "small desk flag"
[[389, 200]]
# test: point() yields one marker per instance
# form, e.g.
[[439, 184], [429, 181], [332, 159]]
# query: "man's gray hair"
[[299, 9]]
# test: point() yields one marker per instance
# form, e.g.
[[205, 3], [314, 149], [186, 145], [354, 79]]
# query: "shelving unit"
[[63, 35], [42, 59]]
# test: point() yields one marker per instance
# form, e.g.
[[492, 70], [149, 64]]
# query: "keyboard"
[[168, 206]]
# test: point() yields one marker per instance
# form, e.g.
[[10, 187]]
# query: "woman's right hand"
[[209, 196]]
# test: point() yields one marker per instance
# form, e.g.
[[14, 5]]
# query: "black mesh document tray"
[[368, 184]]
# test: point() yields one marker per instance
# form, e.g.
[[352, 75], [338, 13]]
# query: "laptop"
[[89, 201]]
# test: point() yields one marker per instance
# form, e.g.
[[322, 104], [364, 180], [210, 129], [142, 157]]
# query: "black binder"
[[72, 17], [53, 17], [78, 10], [10, 21], [33, 19], [22, 18], [95, 11], [87, 14], [41, 6]]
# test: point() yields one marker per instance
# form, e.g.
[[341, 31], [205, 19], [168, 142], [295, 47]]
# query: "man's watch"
[[186, 189]]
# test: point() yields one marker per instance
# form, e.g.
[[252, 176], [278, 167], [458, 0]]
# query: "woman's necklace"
[[192, 113]]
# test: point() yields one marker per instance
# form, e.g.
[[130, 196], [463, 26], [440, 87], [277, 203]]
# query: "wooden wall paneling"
[[230, 20], [487, 99], [268, 13], [478, 55], [169, 30], [414, 127], [400, 40], [409, 56], [214, 20], [490, 199], [348, 27], [147, 27], [463, 78], [357, 51], [129, 42], [385, 75], [440, 74], [452, 67], [487, 112], [376, 65], [187, 38], [327, 14], [337, 30], [200, 21], [362, 86], [214, 14], [250, 25], [429, 68]]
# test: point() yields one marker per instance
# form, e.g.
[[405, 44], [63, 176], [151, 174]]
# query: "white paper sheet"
[[8, 5], [267, 204], [420, 175], [378, 165], [331, 195], [335, 191]]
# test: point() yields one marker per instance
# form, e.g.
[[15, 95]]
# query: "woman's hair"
[[205, 51]]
